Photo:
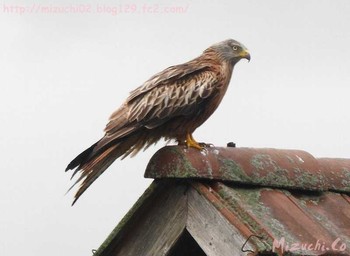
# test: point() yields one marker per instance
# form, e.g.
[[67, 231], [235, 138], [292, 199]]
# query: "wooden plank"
[[212, 231], [158, 225]]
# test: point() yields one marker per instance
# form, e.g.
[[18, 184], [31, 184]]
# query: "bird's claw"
[[206, 145]]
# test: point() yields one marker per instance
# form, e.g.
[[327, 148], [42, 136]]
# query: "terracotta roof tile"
[[337, 171]]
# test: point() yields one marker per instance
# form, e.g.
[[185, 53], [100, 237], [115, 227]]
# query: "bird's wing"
[[176, 91], [179, 98], [168, 76], [119, 122]]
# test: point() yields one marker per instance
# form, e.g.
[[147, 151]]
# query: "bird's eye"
[[235, 48]]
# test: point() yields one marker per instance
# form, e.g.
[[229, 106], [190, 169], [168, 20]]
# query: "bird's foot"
[[193, 144], [190, 142]]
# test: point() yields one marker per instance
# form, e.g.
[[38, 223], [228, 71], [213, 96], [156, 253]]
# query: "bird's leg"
[[190, 142], [181, 140]]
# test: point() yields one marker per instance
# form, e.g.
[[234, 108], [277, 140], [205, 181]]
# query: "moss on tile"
[[278, 177], [307, 180], [230, 170], [262, 162], [346, 180], [178, 167]]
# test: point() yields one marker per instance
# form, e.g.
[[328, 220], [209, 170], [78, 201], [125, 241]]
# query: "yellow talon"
[[190, 142]]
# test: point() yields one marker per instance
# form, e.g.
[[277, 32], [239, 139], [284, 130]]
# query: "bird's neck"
[[214, 57]]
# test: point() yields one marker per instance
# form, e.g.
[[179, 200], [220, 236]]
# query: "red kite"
[[171, 105]]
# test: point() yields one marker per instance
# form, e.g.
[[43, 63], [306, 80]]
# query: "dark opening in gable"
[[186, 246]]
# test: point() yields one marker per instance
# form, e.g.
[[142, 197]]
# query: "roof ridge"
[[268, 167]]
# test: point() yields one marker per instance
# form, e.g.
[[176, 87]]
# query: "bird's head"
[[230, 50]]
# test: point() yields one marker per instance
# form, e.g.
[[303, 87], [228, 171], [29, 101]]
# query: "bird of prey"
[[170, 105]]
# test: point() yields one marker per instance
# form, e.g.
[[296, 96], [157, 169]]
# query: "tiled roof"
[[276, 200]]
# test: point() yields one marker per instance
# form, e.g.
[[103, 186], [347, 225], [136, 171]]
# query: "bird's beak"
[[245, 54]]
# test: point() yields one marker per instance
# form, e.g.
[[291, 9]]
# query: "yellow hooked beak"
[[245, 54]]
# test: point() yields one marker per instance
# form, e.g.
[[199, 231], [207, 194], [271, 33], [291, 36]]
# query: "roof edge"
[[117, 231]]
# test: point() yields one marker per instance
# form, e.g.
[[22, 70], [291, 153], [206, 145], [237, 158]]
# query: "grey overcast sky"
[[65, 67]]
